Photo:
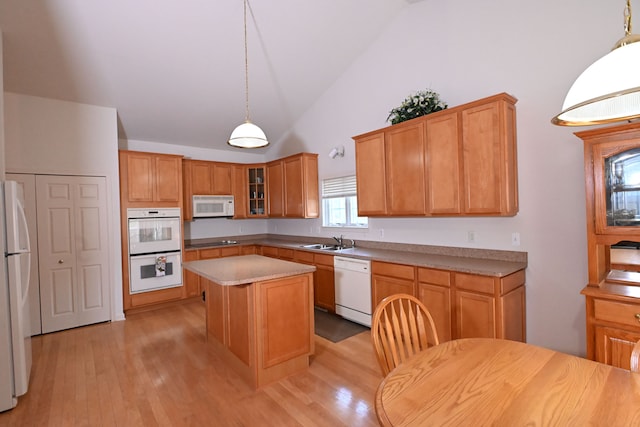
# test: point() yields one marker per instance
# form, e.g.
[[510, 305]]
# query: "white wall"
[[467, 50], [46, 136]]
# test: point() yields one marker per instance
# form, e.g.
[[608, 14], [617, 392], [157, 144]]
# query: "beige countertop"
[[493, 263], [239, 270]]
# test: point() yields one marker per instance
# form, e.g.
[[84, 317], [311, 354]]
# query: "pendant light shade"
[[247, 135], [609, 89]]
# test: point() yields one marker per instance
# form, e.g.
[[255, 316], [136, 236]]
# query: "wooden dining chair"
[[402, 326], [635, 358]]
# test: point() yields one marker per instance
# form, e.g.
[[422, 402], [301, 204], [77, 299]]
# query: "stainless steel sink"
[[322, 246]]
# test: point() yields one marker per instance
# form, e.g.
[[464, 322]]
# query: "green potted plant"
[[416, 105]]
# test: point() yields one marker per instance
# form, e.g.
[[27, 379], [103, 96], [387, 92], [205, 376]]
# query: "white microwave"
[[212, 206]]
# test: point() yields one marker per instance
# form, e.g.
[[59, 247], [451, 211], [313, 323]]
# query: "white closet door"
[[73, 251], [28, 184]]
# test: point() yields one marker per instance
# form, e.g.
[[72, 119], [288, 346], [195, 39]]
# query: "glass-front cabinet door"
[[617, 188]]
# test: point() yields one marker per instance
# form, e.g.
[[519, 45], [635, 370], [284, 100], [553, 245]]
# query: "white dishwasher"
[[353, 289]]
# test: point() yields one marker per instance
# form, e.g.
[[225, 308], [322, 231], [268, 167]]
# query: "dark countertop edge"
[[489, 262]]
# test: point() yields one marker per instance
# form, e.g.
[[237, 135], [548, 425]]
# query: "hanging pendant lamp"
[[608, 90], [247, 135]]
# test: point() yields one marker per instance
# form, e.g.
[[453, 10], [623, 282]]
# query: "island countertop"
[[243, 269]]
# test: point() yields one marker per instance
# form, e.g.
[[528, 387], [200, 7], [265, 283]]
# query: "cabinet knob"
[[60, 261], [638, 316]]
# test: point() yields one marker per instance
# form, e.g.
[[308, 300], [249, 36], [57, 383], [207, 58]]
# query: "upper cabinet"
[[293, 186], [459, 161], [256, 176], [150, 179], [205, 178]]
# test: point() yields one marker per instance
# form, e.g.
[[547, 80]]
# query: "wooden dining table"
[[480, 382]]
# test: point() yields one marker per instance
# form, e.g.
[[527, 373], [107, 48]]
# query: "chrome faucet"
[[339, 240]]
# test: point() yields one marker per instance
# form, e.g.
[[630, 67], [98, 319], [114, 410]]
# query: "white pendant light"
[[247, 135], [608, 90]]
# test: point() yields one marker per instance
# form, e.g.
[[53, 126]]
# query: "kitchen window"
[[340, 204]]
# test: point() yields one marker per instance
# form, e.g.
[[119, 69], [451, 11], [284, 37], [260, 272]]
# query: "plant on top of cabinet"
[[418, 104]]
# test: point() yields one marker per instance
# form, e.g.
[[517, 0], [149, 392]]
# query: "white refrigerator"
[[15, 331]]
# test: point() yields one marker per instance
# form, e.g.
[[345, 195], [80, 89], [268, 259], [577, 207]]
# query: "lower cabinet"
[[613, 327], [434, 290], [190, 280], [462, 305], [324, 293], [389, 279]]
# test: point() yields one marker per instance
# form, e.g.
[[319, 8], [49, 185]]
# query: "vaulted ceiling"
[[174, 70]]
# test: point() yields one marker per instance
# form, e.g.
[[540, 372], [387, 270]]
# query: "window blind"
[[339, 187]]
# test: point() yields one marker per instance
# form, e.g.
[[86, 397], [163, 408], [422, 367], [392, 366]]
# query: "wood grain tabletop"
[[506, 383]]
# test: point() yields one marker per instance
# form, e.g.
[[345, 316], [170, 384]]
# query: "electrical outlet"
[[240, 229], [515, 239], [471, 236], [381, 233]]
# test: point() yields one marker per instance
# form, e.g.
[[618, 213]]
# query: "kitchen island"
[[259, 314]]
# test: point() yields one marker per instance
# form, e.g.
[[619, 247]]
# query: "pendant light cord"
[[627, 18], [246, 65]]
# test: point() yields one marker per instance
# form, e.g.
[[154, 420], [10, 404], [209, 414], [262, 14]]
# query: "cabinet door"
[[221, 174], [489, 165], [435, 292], [200, 176], [383, 286], [404, 149], [139, 173], [475, 315], [371, 175], [240, 329], [168, 179], [215, 309], [240, 188], [324, 286], [275, 188], [443, 165], [614, 346], [293, 177], [191, 279]]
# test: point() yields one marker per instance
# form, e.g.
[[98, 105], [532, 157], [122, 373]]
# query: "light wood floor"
[[155, 368]]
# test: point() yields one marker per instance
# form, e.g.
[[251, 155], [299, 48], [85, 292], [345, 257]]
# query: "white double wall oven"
[[155, 249]]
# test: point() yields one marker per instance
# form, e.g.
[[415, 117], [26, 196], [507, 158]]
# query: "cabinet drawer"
[[435, 277], [400, 271], [617, 312], [285, 253], [209, 253], [474, 283], [230, 251], [304, 256], [323, 259]]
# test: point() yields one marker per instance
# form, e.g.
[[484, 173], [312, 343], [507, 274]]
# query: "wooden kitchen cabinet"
[[405, 170], [292, 186], [456, 162], [150, 179], [489, 307], [190, 280], [370, 175], [275, 188], [324, 282], [489, 160], [240, 196], [257, 188], [434, 290], [462, 305], [205, 178], [443, 165], [301, 187], [612, 294], [389, 279]]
